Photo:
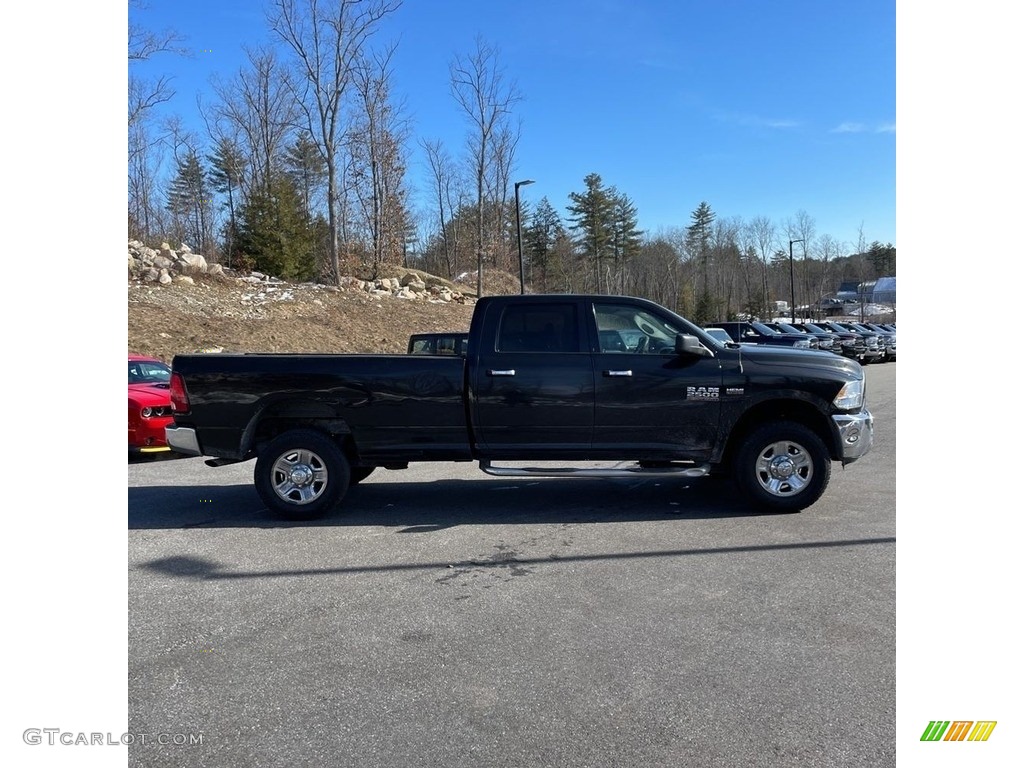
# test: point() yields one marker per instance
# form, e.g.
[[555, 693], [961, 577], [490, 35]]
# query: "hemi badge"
[[734, 390]]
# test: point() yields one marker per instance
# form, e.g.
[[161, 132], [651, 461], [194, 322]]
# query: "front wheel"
[[782, 466], [301, 474]]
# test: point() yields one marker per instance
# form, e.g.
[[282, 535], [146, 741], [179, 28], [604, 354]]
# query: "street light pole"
[[519, 236], [792, 283]]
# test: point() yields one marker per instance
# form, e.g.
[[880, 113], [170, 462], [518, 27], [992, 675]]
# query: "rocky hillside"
[[178, 303]]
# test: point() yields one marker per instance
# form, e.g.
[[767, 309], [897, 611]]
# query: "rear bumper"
[[856, 434], [183, 440]]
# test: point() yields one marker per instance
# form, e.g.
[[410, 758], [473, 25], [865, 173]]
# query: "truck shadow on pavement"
[[205, 569], [419, 507]]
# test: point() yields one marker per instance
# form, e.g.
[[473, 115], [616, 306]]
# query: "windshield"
[[148, 372], [719, 334], [788, 328], [813, 328], [765, 329]]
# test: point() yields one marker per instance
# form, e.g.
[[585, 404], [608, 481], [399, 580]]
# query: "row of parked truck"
[[863, 342]]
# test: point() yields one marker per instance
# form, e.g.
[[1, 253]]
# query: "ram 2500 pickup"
[[555, 379]]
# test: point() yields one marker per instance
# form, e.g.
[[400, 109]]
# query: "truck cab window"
[[539, 328], [628, 328]]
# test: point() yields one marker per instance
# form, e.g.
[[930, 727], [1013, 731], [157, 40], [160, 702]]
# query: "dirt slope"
[[240, 317]]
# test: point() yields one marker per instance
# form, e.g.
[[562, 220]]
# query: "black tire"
[[358, 474], [301, 474], [782, 466]]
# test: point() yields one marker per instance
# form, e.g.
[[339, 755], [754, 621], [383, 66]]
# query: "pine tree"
[[539, 239], [698, 241], [882, 258], [227, 169], [307, 168], [592, 217], [626, 237], [275, 234], [188, 200]]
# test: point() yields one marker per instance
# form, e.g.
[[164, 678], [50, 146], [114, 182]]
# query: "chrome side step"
[[667, 470]]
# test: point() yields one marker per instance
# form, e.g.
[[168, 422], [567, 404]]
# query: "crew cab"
[[560, 379]]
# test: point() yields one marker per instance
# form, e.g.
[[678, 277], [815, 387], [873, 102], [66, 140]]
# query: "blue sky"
[[758, 108]]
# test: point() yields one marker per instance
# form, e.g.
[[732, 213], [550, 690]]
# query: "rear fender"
[[281, 415]]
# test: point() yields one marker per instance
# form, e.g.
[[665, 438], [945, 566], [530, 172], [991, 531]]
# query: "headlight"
[[802, 344], [146, 412], [850, 396]]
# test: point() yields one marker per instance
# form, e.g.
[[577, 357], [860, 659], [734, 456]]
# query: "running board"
[[668, 470], [221, 462]]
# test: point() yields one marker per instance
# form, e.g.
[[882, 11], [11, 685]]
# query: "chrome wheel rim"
[[299, 476], [784, 468]]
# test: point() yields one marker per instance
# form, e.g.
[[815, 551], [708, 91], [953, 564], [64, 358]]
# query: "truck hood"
[[809, 359]]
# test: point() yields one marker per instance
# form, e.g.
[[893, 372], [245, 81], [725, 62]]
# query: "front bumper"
[[856, 434], [183, 440]]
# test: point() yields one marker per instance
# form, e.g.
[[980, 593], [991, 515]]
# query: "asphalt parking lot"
[[442, 617]]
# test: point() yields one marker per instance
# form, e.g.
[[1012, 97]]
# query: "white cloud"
[[757, 121], [851, 127]]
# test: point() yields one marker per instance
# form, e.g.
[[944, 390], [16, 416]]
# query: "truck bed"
[[402, 407]]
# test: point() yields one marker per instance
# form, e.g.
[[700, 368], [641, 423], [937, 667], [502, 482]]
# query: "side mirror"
[[690, 345]]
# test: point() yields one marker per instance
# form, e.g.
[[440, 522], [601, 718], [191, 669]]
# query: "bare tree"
[[802, 227], [727, 262], [144, 144], [377, 147], [478, 86], [828, 249], [445, 186], [327, 40], [760, 235], [144, 44], [257, 106]]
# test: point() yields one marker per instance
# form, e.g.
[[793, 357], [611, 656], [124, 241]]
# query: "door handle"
[[507, 372], [618, 373]]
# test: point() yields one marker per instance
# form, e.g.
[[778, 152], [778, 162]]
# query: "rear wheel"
[[301, 474], [782, 466]]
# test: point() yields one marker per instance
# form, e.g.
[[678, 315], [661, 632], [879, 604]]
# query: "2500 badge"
[[702, 393]]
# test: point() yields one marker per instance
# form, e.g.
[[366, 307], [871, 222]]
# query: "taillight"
[[179, 396]]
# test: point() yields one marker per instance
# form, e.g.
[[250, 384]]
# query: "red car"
[[149, 404]]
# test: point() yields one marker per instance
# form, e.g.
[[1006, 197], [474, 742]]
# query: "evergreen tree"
[[539, 238], [698, 241], [188, 200], [275, 234], [626, 237], [882, 259], [307, 168], [227, 169], [592, 216]]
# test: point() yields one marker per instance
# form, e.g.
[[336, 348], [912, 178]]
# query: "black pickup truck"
[[555, 379]]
